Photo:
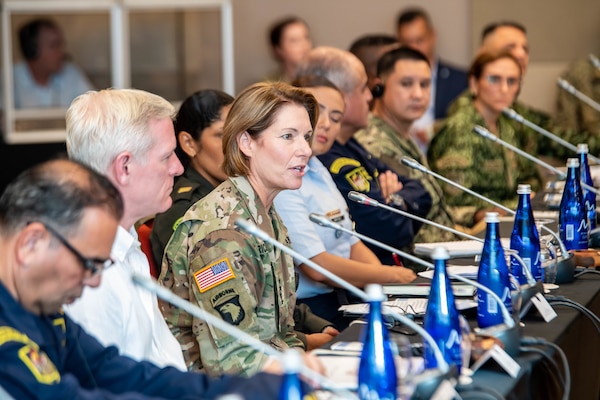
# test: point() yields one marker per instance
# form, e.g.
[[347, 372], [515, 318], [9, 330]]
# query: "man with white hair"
[[128, 136]]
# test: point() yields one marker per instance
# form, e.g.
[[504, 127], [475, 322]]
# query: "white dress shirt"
[[122, 314]]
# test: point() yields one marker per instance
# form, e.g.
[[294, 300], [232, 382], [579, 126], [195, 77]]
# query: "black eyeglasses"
[[95, 265]]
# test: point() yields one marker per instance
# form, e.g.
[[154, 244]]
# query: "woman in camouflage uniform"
[[227, 272]]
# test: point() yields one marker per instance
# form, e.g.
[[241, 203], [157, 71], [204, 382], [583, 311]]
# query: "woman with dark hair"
[[199, 130], [460, 154], [233, 275], [290, 42]]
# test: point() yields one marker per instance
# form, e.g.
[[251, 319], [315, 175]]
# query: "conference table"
[[571, 330]]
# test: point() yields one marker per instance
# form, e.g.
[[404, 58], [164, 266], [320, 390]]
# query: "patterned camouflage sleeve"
[[225, 279], [578, 122], [476, 163]]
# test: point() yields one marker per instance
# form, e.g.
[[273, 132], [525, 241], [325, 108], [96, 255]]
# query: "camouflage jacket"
[[579, 121], [477, 163], [528, 140], [233, 276], [380, 139]]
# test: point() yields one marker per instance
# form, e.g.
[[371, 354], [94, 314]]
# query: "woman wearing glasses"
[[462, 155]]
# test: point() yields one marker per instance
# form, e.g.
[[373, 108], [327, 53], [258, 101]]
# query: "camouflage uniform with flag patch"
[[232, 275], [479, 164], [381, 140]]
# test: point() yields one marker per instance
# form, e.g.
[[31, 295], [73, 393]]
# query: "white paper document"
[[461, 248]]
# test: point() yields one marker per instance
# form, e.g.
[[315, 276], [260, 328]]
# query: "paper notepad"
[[412, 306], [461, 248]]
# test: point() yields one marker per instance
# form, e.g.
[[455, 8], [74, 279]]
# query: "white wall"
[[338, 23]]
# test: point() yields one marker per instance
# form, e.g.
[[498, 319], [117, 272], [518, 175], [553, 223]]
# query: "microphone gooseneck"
[[165, 294], [362, 198], [320, 219], [480, 130], [566, 86], [595, 61], [565, 266], [512, 114], [252, 229]]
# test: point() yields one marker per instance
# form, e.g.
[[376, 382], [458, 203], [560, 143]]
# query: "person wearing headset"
[[401, 96]]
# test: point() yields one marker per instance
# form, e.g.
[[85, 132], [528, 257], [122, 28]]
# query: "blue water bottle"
[[493, 273], [589, 197], [291, 387], [525, 238], [441, 317], [572, 218], [377, 378]]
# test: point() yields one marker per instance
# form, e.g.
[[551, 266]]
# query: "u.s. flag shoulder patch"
[[214, 274]]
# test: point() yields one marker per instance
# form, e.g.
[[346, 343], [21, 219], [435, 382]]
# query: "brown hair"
[[253, 111], [485, 58]]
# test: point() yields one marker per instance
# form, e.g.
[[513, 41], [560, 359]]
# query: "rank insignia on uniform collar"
[[184, 189]]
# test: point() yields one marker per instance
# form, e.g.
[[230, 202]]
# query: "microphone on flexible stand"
[[563, 84], [565, 263], [526, 291], [427, 382], [595, 61], [480, 130], [512, 114], [161, 292], [507, 333]]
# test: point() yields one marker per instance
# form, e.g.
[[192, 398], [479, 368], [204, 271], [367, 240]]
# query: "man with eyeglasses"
[[127, 135], [57, 225]]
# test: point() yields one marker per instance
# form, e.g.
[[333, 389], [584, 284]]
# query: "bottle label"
[[570, 232], [492, 306]]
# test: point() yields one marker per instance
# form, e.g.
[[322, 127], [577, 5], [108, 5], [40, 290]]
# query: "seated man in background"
[[402, 96], [369, 49], [354, 169], [57, 224], [45, 78], [415, 29]]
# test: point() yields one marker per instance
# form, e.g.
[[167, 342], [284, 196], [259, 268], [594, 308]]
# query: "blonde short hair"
[[253, 111]]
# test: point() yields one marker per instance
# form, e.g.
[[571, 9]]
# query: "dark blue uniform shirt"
[[53, 358], [354, 168]]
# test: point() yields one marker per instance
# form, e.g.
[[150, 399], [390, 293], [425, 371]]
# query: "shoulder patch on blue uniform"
[[359, 179], [40, 365], [341, 162]]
